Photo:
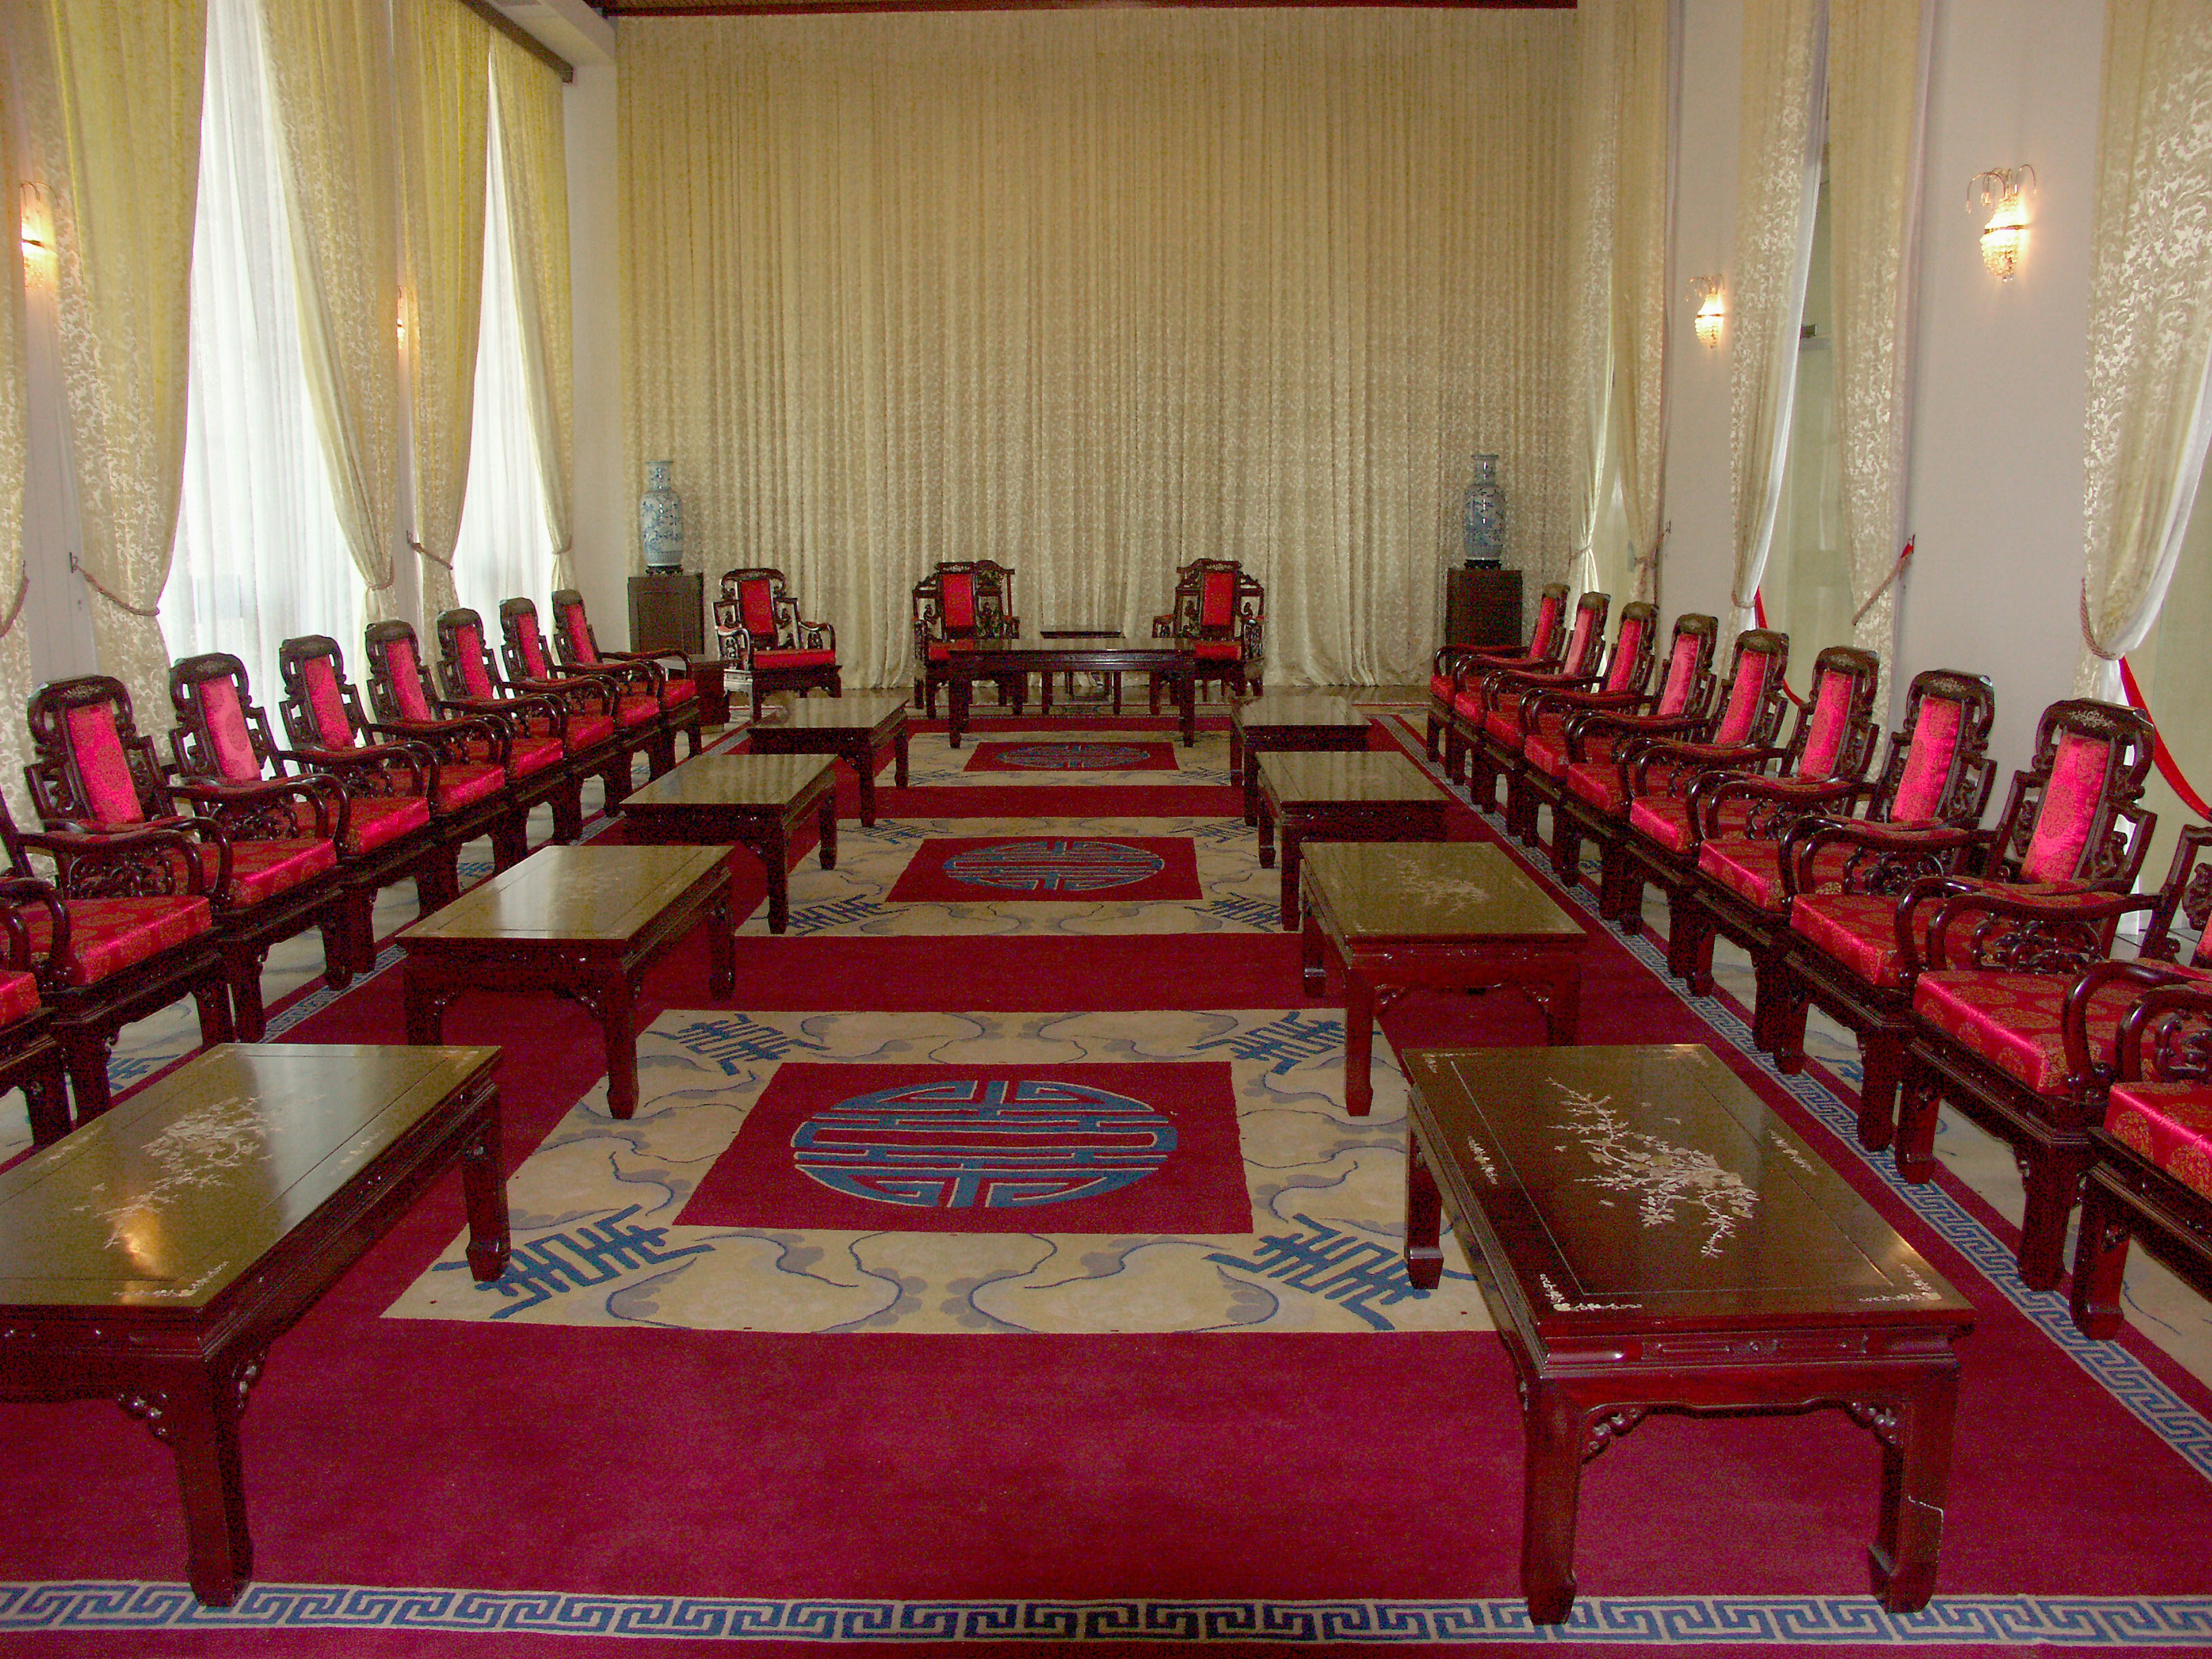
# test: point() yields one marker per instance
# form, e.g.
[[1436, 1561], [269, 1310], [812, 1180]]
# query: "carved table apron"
[[154, 1256], [854, 728], [1439, 916], [1341, 797], [754, 801], [1729, 1271], [1287, 722], [993, 659], [580, 921]]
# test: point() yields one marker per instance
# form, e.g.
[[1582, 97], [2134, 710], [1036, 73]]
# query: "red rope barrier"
[[2168, 768]]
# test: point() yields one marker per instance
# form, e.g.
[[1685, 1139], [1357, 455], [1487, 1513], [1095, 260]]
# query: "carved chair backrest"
[[1586, 640], [1214, 599], [1544, 637], [221, 733], [522, 646], [1752, 700], [399, 686], [1688, 687], [2186, 894], [2074, 814], [320, 708], [1634, 649], [1938, 769], [755, 599], [965, 600], [572, 630], [1835, 732], [89, 764], [464, 664]]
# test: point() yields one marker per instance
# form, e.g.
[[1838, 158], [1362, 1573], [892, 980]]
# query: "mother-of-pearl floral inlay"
[[1659, 1174], [194, 1150]]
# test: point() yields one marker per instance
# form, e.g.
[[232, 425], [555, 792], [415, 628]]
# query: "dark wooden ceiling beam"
[[523, 38], [642, 8]]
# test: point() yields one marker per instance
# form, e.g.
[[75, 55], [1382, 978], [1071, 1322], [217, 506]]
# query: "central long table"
[[986, 660]]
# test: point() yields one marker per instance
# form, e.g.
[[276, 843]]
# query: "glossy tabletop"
[[1346, 777], [575, 893], [856, 711], [762, 781], [1014, 652], [167, 1199], [1292, 709], [1650, 1185], [1432, 889]]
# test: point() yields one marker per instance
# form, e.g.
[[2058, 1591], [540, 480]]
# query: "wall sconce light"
[[1704, 293], [2002, 193], [37, 220]]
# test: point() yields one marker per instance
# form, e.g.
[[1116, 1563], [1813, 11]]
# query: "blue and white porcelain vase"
[[1482, 516], [660, 520]]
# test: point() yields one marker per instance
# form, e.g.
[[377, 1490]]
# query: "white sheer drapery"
[[2150, 321], [1097, 292], [260, 557], [1777, 186]]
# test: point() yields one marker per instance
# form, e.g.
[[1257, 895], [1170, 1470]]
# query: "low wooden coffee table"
[[1364, 797], [1650, 1237], [854, 727], [746, 800], [582, 921], [711, 676], [1455, 916], [990, 659], [153, 1256], [1285, 722]]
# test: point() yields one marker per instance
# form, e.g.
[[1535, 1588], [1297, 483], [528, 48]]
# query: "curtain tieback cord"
[[1895, 571]]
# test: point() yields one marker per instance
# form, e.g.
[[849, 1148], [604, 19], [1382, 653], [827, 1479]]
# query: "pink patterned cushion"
[[378, 820], [1217, 604], [1666, 819], [588, 732], [1503, 723], [1681, 677], [107, 935], [1832, 711], [1598, 782], [18, 996], [1752, 870], [1928, 762], [959, 599], [759, 605], [1545, 747], [1859, 930], [260, 870], [529, 754], [580, 634], [332, 725], [1440, 687], [110, 794], [1625, 651], [680, 690], [529, 647], [1744, 697], [1548, 623], [1218, 651], [1468, 706], [1578, 642], [2170, 1124], [468, 647], [234, 759], [464, 783], [793, 658], [2014, 1020], [2062, 821], [636, 710]]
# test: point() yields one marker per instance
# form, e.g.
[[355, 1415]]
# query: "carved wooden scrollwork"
[[1609, 1426], [1879, 1418]]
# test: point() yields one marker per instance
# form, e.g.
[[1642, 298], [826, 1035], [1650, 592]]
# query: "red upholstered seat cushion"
[[1928, 762], [1626, 649], [675, 691], [2170, 1124], [18, 996], [1859, 930], [1468, 706], [529, 647], [799, 658], [2014, 1020], [2062, 819], [958, 594], [588, 732], [260, 870], [464, 783], [1832, 711], [1746, 696], [1545, 747], [1440, 686], [637, 711], [529, 755], [757, 600], [1598, 782], [234, 759], [469, 658], [378, 820], [1219, 651], [1504, 725], [1666, 819], [1752, 870], [107, 935]]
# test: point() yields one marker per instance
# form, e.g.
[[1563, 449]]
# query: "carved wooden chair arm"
[[110, 848], [2161, 980], [211, 795], [371, 760], [821, 635], [1787, 801], [681, 659], [2088, 909], [645, 674], [578, 694], [2189, 999], [17, 891], [510, 712], [450, 737], [1693, 757]]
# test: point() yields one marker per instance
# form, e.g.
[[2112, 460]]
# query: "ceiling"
[[621, 9]]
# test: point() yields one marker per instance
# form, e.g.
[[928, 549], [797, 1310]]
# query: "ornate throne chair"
[[125, 930], [266, 875], [1824, 762], [1496, 692], [641, 670], [640, 723], [1937, 775], [578, 715], [1223, 612], [2017, 1019], [407, 704], [960, 603], [2072, 820], [760, 632], [1542, 652]]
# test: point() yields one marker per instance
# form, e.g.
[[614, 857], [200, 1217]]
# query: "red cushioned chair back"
[[406, 675], [469, 658], [1762, 658], [1627, 649], [1934, 741], [333, 726], [529, 646], [1216, 603], [111, 795], [756, 602], [224, 722], [2069, 809], [1547, 623], [1682, 675], [1831, 718], [581, 645], [959, 598], [1586, 642], [2075, 814]]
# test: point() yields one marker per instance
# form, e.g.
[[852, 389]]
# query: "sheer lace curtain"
[[259, 555], [1094, 292]]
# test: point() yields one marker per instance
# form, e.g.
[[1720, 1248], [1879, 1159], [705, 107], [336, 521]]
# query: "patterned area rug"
[[968, 869], [1053, 755]]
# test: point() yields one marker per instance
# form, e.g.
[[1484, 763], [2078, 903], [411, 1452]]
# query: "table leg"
[[1267, 833], [863, 767], [900, 776], [1358, 1042], [1290, 854], [1916, 1466], [1425, 1214], [425, 1006], [1249, 773], [1313, 970], [1236, 754], [825, 818], [483, 1186], [774, 850], [721, 945], [197, 1415], [957, 690], [614, 1000], [1552, 1427], [1189, 689], [1562, 1007]]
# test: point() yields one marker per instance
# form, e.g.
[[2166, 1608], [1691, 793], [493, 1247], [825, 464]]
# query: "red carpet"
[[964, 869], [1058, 757]]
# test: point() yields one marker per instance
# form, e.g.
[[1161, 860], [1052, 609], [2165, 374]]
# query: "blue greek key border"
[[2118, 1622], [2123, 1376]]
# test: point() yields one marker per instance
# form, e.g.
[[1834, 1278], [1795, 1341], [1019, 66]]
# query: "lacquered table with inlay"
[[970, 661], [1288, 721], [1650, 1237], [1454, 915], [154, 1256], [581, 922], [755, 801], [855, 728], [1341, 797]]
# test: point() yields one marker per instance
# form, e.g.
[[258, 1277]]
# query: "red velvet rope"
[[2168, 768], [1758, 614]]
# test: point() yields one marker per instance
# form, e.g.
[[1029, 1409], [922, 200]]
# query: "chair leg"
[[437, 879], [1625, 881], [1429, 735], [84, 1050], [1689, 941], [1566, 846], [243, 965], [2100, 1261], [510, 837], [338, 953], [2053, 1177], [567, 805], [1786, 1025], [1883, 1106]]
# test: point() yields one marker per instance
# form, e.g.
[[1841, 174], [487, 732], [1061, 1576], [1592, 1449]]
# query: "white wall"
[[603, 519]]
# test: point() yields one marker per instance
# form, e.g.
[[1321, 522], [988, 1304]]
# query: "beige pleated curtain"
[[443, 55], [1095, 293], [2150, 322], [15, 579]]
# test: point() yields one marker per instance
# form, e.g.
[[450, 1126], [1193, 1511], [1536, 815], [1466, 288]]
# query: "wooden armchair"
[[266, 857], [2016, 1016], [1937, 775], [1489, 691], [579, 714], [405, 701], [959, 603], [760, 632], [29, 1060], [646, 672], [1541, 651], [1223, 613], [639, 725], [2151, 1176], [125, 930], [2071, 822]]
